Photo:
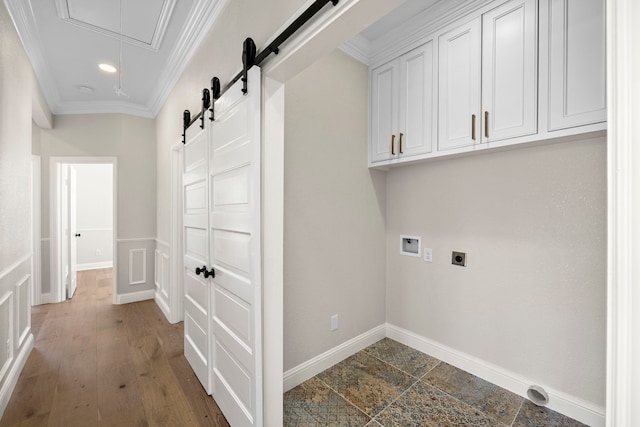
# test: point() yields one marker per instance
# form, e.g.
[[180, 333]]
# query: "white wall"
[[18, 89], [132, 140], [94, 215], [532, 299]]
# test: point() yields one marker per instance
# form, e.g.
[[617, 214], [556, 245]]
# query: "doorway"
[[83, 221]]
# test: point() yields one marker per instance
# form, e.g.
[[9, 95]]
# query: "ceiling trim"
[[202, 16], [103, 107], [24, 21], [425, 23], [62, 7], [359, 48]]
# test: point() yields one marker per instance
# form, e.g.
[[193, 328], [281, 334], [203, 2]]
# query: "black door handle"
[[201, 270], [77, 234], [211, 273]]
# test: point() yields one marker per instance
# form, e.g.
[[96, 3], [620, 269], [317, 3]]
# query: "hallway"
[[99, 364]]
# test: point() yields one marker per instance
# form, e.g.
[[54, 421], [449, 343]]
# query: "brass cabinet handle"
[[473, 127], [393, 139], [401, 142], [486, 124]]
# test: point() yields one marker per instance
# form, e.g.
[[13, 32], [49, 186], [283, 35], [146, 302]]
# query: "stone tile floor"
[[390, 384]]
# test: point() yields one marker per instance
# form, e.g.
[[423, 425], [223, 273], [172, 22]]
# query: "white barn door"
[[235, 251], [196, 255]]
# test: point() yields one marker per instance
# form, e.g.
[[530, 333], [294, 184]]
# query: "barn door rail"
[[249, 58]]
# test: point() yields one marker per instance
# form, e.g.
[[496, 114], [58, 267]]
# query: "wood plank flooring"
[[99, 364]]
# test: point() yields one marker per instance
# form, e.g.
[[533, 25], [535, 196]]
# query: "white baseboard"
[[45, 298], [312, 367], [14, 374], [135, 296], [164, 307], [571, 406], [94, 265]]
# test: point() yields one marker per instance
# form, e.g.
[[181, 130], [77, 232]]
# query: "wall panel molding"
[[23, 309], [136, 269], [137, 266], [7, 325]]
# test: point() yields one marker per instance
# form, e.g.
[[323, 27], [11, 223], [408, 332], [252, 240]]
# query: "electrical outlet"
[[428, 255], [459, 258], [334, 322]]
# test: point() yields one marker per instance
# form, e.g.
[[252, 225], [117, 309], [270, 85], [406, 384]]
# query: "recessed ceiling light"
[[86, 89], [108, 68]]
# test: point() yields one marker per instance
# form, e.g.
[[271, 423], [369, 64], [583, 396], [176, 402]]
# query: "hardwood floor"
[[99, 364]]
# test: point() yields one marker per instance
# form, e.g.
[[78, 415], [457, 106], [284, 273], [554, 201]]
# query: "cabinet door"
[[577, 63], [459, 86], [384, 111], [509, 71], [416, 127]]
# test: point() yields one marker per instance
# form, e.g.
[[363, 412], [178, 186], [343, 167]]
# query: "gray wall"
[[132, 140], [334, 232], [532, 299]]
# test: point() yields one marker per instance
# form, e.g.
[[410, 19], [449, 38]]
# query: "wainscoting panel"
[[137, 266], [45, 272], [158, 269], [163, 277], [23, 309], [136, 269], [6, 332], [16, 340]]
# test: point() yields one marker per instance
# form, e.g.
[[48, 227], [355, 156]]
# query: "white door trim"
[[623, 310], [36, 230], [57, 287], [176, 286]]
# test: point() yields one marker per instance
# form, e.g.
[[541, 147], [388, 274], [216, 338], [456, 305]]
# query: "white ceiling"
[[67, 39]]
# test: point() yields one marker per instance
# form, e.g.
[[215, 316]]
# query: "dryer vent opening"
[[537, 395]]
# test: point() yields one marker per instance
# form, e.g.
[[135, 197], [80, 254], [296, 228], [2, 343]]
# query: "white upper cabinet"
[[384, 112], [488, 77], [417, 113], [577, 63], [403, 112], [459, 102], [509, 71]]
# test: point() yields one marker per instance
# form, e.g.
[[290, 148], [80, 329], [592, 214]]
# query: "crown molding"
[[62, 8], [202, 16], [359, 47], [103, 107], [430, 20], [23, 20]]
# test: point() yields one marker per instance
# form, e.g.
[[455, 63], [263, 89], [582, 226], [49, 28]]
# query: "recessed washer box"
[[410, 245]]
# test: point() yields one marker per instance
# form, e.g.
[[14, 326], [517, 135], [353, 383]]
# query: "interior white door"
[[196, 254], [509, 71], [459, 61], [73, 233], [234, 223]]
